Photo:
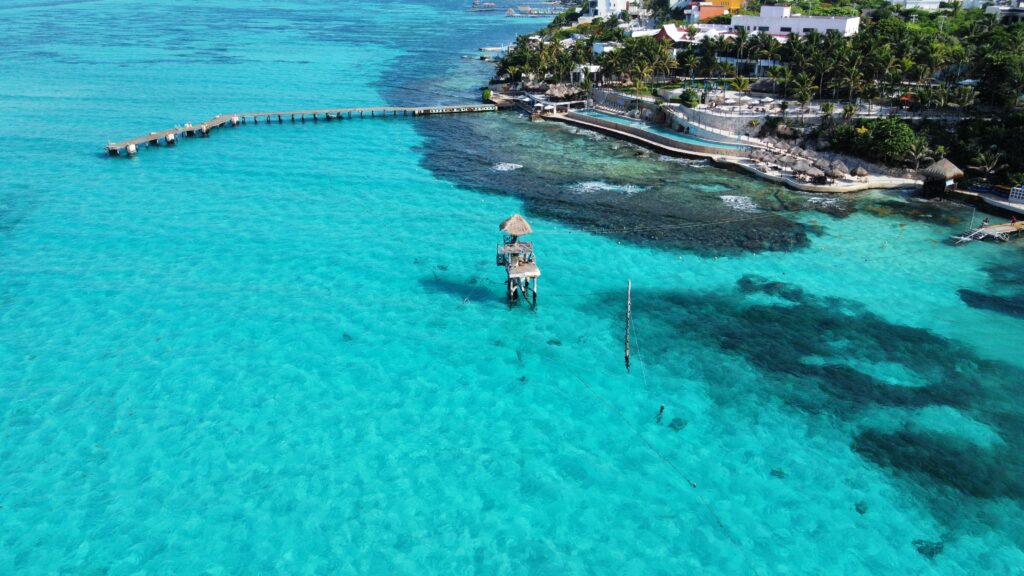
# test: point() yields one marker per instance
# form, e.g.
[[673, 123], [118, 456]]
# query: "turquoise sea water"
[[284, 349]]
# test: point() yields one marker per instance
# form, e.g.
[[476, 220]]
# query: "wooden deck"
[[995, 231], [170, 136]]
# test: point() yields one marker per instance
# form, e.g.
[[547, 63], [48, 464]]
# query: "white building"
[[779, 20], [1007, 14], [929, 5], [608, 8]]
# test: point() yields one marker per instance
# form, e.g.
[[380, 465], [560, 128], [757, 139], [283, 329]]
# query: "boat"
[[479, 6]]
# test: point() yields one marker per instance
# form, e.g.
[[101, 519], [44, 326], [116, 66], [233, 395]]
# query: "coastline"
[[723, 159]]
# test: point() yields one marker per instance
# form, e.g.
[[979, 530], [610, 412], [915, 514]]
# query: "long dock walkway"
[[130, 147]]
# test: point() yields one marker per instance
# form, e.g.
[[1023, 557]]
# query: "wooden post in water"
[[629, 317]]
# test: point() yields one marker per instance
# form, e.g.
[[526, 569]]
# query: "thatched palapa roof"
[[562, 91], [515, 225], [942, 170]]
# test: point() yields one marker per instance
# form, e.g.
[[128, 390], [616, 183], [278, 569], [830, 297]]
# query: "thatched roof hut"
[[840, 166], [942, 170], [836, 173], [562, 91], [515, 225]]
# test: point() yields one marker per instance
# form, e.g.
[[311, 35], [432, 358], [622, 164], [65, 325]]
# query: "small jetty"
[[1003, 232], [168, 137], [518, 260]]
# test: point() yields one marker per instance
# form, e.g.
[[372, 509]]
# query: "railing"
[[662, 141]]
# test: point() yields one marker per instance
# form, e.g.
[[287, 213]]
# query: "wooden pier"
[[1002, 232], [168, 137]]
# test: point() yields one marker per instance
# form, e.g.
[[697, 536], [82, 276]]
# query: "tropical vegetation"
[[959, 71]]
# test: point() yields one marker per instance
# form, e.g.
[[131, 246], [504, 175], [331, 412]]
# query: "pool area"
[[660, 130]]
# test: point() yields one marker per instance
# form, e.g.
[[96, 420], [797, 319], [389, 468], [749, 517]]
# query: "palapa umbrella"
[[815, 173], [837, 174], [822, 164], [802, 166], [838, 166], [515, 225], [860, 171], [942, 170]]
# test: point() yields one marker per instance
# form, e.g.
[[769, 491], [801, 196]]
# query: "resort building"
[[780, 20], [608, 8], [679, 35], [697, 11], [1007, 14], [929, 5], [605, 47]]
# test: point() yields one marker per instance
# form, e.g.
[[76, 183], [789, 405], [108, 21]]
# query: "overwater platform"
[[170, 136], [1002, 232]]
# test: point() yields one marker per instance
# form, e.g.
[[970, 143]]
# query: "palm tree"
[[852, 78], [740, 41], [768, 47], [689, 62], [849, 110], [821, 64], [988, 163], [643, 71], [917, 153], [804, 88], [781, 77], [740, 84], [664, 64], [612, 63], [826, 113]]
